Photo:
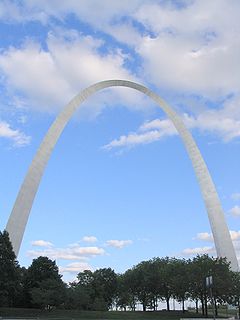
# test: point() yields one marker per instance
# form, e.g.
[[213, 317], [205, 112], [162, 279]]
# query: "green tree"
[[234, 298], [105, 287], [42, 272], [142, 276], [123, 297], [130, 285], [49, 292], [180, 280], [82, 292], [9, 272], [202, 267], [163, 267]]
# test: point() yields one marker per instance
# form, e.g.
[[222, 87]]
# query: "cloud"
[[235, 235], [198, 250], [41, 243], [90, 239], [217, 122], [18, 138], [119, 244], [235, 211], [194, 47], [10, 11], [104, 16], [68, 253], [222, 123], [49, 78], [75, 267], [235, 196], [205, 236], [162, 128]]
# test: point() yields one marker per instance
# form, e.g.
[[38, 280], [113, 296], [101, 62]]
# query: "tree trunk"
[[238, 308], [144, 306], [205, 305], [183, 306], [215, 307], [196, 302], [202, 301], [168, 305]]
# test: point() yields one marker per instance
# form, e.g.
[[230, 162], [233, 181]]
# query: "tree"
[[234, 298], [9, 272], [163, 267], [124, 297], [129, 286], [81, 293], [94, 290], [105, 287], [180, 279], [43, 279], [49, 292], [202, 267], [142, 278]]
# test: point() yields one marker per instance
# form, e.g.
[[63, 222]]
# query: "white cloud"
[[119, 244], [235, 196], [133, 139], [198, 250], [205, 236], [162, 128], [19, 138], [221, 123], [41, 243], [50, 78], [90, 239], [235, 235], [68, 253], [104, 16], [194, 48], [75, 267], [235, 211], [217, 122], [10, 11]]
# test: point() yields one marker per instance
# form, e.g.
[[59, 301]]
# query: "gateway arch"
[[18, 219]]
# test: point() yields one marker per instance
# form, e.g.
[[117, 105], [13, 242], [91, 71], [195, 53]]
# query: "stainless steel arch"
[[23, 204]]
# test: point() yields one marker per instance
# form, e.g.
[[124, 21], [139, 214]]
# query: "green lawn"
[[101, 315], [75, 314]]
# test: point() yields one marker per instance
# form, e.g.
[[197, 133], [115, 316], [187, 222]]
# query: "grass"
[[22, 313], [93, 315]]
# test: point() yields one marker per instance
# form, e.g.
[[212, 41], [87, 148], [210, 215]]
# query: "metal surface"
[[23, 204]]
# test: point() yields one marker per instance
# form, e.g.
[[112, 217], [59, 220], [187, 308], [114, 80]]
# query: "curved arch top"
[[23, 204]]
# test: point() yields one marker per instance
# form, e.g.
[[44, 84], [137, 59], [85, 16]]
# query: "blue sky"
[[119, 187]]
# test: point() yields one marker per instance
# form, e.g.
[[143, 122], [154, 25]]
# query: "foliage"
[[9, 272], [93, 290], [147, 283], [43, 285]]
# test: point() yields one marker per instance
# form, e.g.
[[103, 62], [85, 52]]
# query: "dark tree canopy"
[[43, 284], [9, 272], [159, 279]]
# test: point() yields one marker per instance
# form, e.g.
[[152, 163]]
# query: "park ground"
[[16, 313]]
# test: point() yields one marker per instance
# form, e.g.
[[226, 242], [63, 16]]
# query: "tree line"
[[158, 279]]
